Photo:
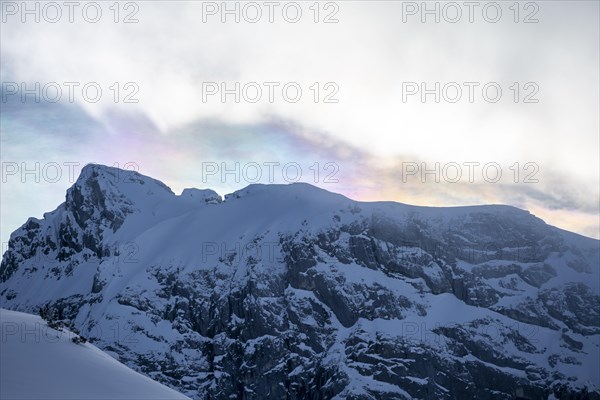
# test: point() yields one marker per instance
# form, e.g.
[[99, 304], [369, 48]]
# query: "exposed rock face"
[[293, 292]]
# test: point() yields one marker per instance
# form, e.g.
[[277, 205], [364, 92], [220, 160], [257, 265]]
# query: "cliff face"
[[294, 292]]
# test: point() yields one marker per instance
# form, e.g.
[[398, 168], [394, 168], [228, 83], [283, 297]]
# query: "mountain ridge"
[[291, 290]]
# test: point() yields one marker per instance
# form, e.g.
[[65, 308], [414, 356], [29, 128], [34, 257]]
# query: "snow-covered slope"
[[292, 291], [38, 362]]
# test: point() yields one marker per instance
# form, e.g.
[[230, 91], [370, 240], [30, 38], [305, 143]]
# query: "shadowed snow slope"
[[42, 363]]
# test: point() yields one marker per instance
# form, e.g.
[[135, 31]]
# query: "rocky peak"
[[108, 194], [206, 195]]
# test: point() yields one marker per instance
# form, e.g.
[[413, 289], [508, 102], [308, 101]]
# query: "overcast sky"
[[370, 130]]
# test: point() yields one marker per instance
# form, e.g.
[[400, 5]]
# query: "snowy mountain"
[[39, 362], [290, 291]]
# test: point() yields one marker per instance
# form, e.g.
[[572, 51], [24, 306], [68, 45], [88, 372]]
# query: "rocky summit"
[[294, 292]]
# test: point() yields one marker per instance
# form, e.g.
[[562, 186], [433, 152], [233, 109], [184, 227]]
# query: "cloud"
[[369, 132]]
